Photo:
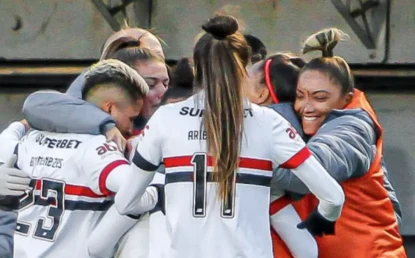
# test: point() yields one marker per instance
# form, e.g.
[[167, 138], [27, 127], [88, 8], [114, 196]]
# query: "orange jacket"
[[367, 227]]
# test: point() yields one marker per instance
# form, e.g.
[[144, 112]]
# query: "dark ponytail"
[[182, 82], [220, 57], [257, 47], [280, 75]]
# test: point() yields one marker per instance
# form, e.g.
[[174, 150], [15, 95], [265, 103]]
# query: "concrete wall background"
[[76, 30]]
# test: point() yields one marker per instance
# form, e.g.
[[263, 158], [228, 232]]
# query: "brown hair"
[[335, 67], [220, 57], [279, 73]]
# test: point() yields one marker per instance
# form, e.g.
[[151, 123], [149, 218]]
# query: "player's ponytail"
[[334, 66], [220, 57]]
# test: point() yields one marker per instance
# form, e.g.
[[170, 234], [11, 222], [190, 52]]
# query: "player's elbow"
[[338, 197], [32, 102], [132, 208], [122, 207], [334, 204], [96, 250]]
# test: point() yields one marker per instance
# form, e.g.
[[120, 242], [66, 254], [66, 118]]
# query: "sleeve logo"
[[101, 150], [292, 133]]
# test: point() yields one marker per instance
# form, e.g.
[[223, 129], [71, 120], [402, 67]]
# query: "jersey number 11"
[[201, 178]]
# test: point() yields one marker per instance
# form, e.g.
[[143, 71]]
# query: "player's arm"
[[392, 194], [289, 151], [58, 112], [106, 171], [8, 221], [341, 147], [284, 220], [146, 160], [13, 181], [106, 235], [77, 86], [9, 138], [300, 242]]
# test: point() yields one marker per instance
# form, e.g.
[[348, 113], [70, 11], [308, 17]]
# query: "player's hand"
[[114, 135], [161, 198], [132, 144], [13, 182], [318, 225], [26, 124]]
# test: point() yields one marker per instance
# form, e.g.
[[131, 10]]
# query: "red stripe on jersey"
[[278, 205], [74, 190], [297, 159], [137, 132], [105, 173], [243, 163]]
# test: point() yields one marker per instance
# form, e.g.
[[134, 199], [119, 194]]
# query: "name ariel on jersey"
[[195, 112], [42, 140]]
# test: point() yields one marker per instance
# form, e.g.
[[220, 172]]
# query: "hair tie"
[[268, 82]]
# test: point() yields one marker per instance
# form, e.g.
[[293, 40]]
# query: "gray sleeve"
[[391, 192], [287, 111], [7, 226], [76, 87], [57, 112], [343, 148]]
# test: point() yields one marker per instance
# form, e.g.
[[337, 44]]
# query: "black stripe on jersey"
[[137, 217], [142, 163], [16, 151], [156, 209], [248, 179], [77, 205]]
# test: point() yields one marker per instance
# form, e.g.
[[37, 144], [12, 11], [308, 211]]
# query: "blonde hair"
[[324, 40], [114, 68]]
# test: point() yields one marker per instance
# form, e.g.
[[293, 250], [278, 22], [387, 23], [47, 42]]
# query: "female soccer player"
[[48, 110], [150, 230], [274, 81], [218, 161], [349, 144]]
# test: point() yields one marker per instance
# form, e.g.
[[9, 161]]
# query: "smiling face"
[[316, 97]]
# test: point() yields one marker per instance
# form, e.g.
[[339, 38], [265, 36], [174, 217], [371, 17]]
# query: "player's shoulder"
[[54, 140], [97, 148], [264, 113], [190, 101], [179, 108], [95, 142], [94, 139]]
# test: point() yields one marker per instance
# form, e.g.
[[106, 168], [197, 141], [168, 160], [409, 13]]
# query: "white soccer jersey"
[[200, 224], [159, 236], [69, 172]]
